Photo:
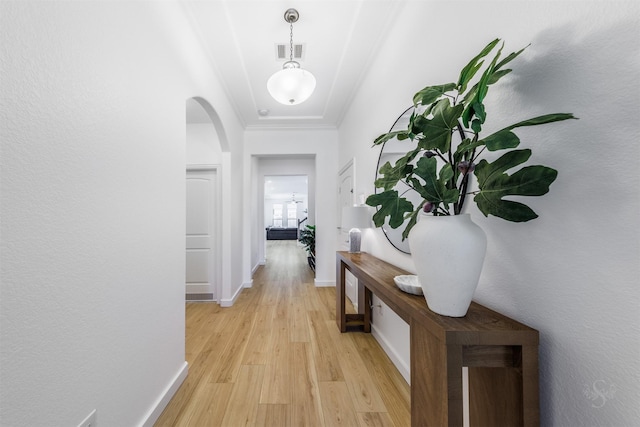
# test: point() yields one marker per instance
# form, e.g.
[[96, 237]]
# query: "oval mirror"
[[391, 151]]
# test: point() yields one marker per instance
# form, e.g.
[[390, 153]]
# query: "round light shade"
[[291, 86]]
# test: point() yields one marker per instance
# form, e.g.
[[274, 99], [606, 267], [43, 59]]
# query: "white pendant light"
[[292, 85]]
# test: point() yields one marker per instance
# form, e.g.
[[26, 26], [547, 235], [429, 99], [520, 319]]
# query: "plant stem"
[[441, 156], [465, 179], [452, 182], [463, 192], [473, 154], [457, 207], [443, 212]]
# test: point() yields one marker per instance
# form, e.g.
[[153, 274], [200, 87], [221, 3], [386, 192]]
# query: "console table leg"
[[436, 393], [366, 303], [341, 316], [530, 386], [506, 395], [495, 397]]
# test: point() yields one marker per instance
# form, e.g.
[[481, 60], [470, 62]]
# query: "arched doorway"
[[205, 140]]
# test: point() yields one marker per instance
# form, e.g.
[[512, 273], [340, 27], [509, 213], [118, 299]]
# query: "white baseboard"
[[399, 363], [248, 284], [255, 267], [166, 396], [324, 283], [229, 302], [199, 288]]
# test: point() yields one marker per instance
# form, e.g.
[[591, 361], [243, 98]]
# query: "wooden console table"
[[500, 353]]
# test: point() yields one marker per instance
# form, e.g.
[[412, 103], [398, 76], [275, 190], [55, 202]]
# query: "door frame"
[[215, 260]]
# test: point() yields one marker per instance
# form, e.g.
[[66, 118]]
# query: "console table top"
[[480, 326]]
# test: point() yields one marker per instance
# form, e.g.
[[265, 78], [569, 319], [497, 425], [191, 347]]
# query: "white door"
[[347, 198], [201, 256]]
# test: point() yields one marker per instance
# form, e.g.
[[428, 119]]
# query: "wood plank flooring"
[[276, 358]]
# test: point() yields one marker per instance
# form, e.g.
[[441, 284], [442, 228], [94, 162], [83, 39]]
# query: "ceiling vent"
[[283, 51]]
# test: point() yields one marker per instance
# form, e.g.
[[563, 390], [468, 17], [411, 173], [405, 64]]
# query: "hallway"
[[276, 358]]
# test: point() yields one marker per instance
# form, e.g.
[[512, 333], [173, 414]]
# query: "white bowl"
[[409, 283]]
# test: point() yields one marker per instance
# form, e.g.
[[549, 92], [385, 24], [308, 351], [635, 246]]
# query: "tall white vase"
[[448, 252]]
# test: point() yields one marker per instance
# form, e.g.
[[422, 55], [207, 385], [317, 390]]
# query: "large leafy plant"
[[308, 239], [439, 170]]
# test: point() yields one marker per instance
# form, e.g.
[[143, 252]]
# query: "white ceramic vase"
[[448, 252]]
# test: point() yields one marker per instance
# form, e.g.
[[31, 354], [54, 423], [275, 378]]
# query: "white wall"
[[203, 145], [572, 273], [236, 231], [321, 143], [92, 206], [254, 249]]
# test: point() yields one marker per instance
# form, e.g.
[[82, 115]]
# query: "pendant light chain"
[[291, 41]]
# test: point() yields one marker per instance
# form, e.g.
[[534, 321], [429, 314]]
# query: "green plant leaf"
[[497, 75], [505, 209], [431, 93], [493, 77], [476, 125], [528, 181], [475, 106], [486, 171], [437, 130], [400, 134], [418, 186], [467, 73], [495, 184], [390, 175], [510, 58], [413, 219], [467, 114], [434, 188], [418, 123], [540, 120], [483, 85], [467, 145], [478, 109], [501, 140], [471, 93], [504, 138], [390, 205], [446, 173]]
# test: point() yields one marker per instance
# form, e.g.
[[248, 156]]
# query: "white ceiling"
[[340, 40], [286, 187]]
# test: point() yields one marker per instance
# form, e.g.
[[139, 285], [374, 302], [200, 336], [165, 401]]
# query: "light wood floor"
[[276, 358]]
